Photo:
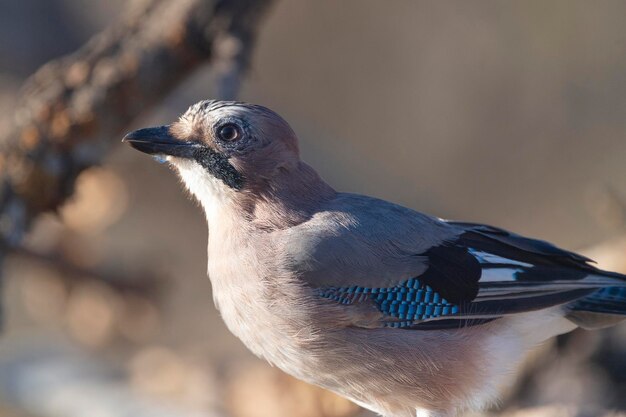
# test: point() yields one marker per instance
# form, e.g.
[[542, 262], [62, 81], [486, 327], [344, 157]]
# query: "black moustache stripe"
[[218, 165]]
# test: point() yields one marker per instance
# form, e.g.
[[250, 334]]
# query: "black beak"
[[159, 141]]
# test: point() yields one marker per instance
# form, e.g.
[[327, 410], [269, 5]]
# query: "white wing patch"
[[489, 258], [499, 274]]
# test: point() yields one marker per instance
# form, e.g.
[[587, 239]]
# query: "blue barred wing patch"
[[410, 301]]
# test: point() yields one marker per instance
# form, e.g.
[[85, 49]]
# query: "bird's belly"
[[396, 371]]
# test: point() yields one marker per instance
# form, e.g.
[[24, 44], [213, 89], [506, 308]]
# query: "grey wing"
[[461, 274], [358, 239]]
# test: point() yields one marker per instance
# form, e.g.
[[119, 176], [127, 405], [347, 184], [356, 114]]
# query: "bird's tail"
[[602, 308]]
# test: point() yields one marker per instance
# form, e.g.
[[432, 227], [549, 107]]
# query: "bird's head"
[[222, 149]]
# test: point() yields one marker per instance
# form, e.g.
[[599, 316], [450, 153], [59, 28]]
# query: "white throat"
[[212, 193]]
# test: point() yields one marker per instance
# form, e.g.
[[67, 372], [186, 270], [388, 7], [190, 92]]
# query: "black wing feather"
[[453, 272], [544, 276], [513, 246]]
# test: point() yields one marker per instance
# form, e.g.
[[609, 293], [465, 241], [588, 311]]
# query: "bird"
[[405, 314]]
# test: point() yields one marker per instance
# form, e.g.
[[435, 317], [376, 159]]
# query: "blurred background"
[[507, 113]]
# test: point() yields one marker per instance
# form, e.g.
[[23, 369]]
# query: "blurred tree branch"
[[73, 109], [146, 284]]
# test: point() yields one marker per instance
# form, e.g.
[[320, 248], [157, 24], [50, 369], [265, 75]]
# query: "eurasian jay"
[[403, 313]]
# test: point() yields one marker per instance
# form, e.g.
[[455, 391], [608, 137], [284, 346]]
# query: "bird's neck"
[[290, 198]]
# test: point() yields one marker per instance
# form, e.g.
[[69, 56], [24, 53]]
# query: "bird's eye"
[[229, 132]]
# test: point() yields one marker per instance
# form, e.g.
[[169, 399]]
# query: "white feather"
[[489, 258], [499, 274]]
